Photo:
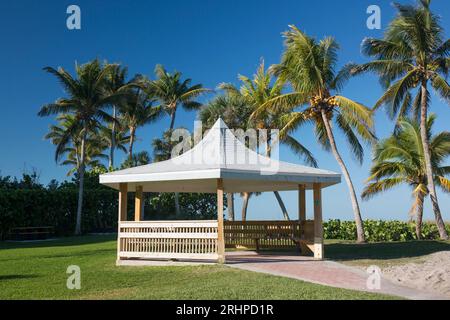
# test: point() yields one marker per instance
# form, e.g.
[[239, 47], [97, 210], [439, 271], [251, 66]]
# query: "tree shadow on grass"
[[17, 276], [383, 250], [58, 242], [71, 254]]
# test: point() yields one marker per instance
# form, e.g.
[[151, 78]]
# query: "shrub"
[[380, 230]]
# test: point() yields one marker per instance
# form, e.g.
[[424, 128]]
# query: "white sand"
[[433, 275]]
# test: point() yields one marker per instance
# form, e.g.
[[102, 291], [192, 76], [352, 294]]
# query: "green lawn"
[[382, 253], [38, 271]]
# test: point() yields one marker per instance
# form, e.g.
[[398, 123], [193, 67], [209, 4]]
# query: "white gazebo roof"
[[220, 155]]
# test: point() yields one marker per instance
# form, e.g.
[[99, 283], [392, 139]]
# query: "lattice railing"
[[168, 239], [265, 234]]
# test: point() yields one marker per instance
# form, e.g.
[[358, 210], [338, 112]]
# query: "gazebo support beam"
[[138, 204], [123, 196], [220, 232], [318, 224], [301, 203]]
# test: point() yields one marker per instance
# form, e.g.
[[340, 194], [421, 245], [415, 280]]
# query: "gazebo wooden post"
[[123, 197], [138, 204], [220, 233], [301, 214], [318, 224], [301, 203]]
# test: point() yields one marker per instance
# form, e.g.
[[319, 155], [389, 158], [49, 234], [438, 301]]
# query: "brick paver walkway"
[[329, 273]]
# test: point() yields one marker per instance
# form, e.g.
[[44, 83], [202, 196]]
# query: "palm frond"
[[352, 139], [395, 94], [377, 187], [300, 150]]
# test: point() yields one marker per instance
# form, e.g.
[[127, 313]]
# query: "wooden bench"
[[31, 233]]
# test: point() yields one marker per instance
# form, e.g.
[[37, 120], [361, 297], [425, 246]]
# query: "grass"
[[38, 271], [383, 253]]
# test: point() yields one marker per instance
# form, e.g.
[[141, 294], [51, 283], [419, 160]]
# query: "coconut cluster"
[[330, 101], [318, 104]]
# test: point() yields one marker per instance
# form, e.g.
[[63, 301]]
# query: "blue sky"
[[210, 41]]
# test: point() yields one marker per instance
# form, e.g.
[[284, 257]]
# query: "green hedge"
[[57, 208], [380, 230]]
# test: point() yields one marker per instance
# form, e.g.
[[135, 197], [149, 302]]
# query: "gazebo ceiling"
[[220, 155]]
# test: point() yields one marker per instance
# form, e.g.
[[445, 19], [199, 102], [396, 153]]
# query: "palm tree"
[[136, 112], [162, 148], [235, 111], [87, 99], [256, 92], [412, 55], [400, 160], [116, 82], [116, 138], [172, 91], [71, 151], [93, 157], [138, 159], [232, 109], [309, 67]]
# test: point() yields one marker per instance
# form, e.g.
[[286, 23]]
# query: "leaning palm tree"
[[309, 67], [137, 111], [256, 92], [400, 160], [172, 91], [411, 56], [87, 99]]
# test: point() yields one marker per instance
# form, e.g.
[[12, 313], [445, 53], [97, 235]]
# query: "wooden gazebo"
[[219, 163]]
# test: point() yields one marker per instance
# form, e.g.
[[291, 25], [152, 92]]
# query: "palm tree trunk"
[[276, 193], [177, 196], [177, 204], [354, 200], [419, 214], [246, 196], [81, 183], [172, 119], [113, 141], [130, 147], [230, 206], [427, 156], [282, 206]]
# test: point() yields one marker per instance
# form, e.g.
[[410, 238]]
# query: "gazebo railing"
[[168, 239], [198, 239], [267, 234]]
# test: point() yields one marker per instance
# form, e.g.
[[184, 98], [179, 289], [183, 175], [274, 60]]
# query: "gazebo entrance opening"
[[222, 165]]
